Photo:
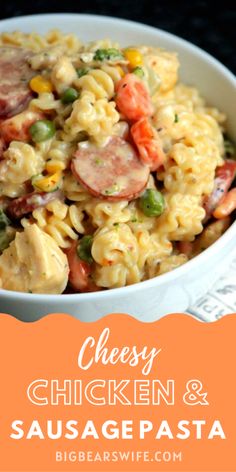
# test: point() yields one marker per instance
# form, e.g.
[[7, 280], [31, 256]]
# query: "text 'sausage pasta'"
[[111, 172]]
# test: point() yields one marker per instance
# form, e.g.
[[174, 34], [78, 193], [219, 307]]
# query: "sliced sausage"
[[2, 147], [185, 247], [17, 127], [15, 74], [223, 180], [22, 206], [80, 271], [113, 172]]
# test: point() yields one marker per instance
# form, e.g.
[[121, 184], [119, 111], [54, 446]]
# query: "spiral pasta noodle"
[[107, 213], [115, 250], [60, 221], [46, 101], [20, 163], [98, 82], [96, 117], [115, 72], [183, 217], [73, 190]]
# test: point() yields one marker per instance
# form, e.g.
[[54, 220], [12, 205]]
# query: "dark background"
[[210, 25]]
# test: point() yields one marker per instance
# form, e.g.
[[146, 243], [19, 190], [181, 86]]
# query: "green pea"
[[4, 242], [107, 54], [230, 149], [83, 71], [70, 95], [139, 72], [4, 221], [84, 249], [152, 202], [42, 130], [6, 236]]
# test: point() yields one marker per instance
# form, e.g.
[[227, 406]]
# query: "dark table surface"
[[209, 24]]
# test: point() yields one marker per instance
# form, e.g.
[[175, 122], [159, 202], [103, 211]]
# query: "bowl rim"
[[187, 266]]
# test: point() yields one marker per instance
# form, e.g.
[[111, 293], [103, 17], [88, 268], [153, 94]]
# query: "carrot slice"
[[148, 143], [132, 98]]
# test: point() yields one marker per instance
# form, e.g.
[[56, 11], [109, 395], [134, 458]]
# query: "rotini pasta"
[[98, 82], [172, 262], [115, 72], [21, 161], [73, 190], [38, 43], [116, 252], [46, 101], [110, 170], [183, 217], [188, 172], [60, 221], [107, 213], [95, 117], [116, 276]]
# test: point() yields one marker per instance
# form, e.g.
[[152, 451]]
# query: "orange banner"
[[118, 394]]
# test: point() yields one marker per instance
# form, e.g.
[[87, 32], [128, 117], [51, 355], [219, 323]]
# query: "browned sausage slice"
[[22, 206], [15, 74], [113, 172], [2, 147]]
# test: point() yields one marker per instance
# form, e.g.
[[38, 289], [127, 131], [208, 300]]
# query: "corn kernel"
[[120, 70], [40, 85], [48, 183], [134, 57], [55, 166]]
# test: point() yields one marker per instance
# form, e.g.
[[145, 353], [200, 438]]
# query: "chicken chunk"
[[63, 74], [46, 58], [165, 64], [34, 263]]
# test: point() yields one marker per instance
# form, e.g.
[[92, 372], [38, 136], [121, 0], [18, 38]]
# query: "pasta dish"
[[111, 171]]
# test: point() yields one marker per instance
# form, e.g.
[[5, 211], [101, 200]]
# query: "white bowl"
[[176, 290]]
